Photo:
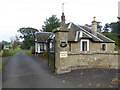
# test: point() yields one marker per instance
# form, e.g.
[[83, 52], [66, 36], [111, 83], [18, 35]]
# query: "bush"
[[43, 56], [5, 52], [28, 52]]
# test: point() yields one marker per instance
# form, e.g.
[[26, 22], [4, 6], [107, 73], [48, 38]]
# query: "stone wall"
[[98, 46], [80, 60], [92, 46]]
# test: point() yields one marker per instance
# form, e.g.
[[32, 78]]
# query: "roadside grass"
[[14, 52], [27, 52], [10, 52]]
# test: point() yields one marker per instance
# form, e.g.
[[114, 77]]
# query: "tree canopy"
[[115, 27], [113, 36], [28, 34], [51, 23], [99, 26], [106, 27], [1, 46]]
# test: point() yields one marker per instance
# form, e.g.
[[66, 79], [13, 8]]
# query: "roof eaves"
[[105, 37]]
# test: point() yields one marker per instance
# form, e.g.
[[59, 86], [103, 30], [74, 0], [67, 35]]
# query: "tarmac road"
[[24, 71]]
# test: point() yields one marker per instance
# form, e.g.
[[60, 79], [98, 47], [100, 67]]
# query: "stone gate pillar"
[[61, 49]]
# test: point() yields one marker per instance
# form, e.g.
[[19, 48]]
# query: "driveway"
[[24, 71]]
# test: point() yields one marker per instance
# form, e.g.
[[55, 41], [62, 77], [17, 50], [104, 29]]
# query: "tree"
[[99, 26], [28, 34], [106, 27], [14, 41], [115, 27], [51, 23], [118, 28], [5, 43], [1, 46], [113, 36]]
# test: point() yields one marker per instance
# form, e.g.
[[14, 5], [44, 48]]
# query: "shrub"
[[28, 52], [43, 56], [5, 52]]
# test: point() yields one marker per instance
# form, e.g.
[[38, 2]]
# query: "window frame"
[[82, 45], [105, 46]]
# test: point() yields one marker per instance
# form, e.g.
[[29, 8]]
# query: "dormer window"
[[104, 47]]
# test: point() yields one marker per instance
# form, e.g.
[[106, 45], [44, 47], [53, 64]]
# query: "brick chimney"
[[94, 26]]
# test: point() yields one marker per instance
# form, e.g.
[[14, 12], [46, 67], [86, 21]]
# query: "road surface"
[[24, 71]]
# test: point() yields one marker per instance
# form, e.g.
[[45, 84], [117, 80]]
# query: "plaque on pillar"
[[63, 54]]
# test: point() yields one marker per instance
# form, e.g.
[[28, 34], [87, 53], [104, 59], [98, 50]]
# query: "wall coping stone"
[[92, 52], [61, 30]]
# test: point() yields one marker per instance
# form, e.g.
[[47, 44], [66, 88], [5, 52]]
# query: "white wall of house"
[[36, 47], [40, 47]]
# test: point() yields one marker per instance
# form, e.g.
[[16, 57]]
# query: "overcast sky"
[[15, 14]]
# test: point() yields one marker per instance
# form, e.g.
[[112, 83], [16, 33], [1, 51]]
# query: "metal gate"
[[51, 54]]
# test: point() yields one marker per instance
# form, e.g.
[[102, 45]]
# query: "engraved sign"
[[63, 54]]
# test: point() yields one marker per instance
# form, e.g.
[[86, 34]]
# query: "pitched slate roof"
[[78, 32], [43, 36]]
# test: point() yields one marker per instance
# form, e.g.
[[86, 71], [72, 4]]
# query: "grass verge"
[[14, 52], [10, 52], [27, 52]]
